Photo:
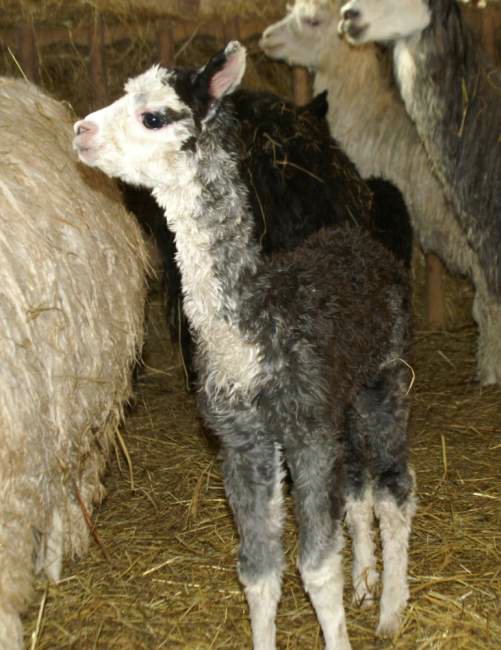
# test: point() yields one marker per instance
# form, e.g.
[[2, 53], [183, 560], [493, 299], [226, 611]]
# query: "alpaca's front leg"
[[319, 509], [253, 485]]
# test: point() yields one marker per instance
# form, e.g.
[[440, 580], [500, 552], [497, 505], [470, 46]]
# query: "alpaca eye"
[[153, 120], [311, 22]]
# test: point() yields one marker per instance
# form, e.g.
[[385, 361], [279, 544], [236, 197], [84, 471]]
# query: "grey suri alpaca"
[[300, 356], [453, 94]]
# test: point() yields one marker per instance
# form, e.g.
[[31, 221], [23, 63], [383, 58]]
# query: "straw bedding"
[[170, 580], [72, 294]]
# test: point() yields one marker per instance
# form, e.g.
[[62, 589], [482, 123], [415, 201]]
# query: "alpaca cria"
[[366, 115], [453, 94], [299, 355]]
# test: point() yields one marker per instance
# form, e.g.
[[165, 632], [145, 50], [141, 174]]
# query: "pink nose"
[[86, 128]]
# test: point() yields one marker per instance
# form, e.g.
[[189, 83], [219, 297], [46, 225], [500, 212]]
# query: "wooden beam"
[[190, 8], [27, 52], [302, 89], [489, 27], [166, 45], [435, 303], [182, 29], [231, 29], [97, 63]]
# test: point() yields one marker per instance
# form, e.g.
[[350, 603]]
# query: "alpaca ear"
[[318, 106], [223, 73], [228, 77]]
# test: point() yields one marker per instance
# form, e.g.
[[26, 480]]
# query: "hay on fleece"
[[72, 293]]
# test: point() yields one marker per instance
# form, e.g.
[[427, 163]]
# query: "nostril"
[[85, 126], [351, 14]]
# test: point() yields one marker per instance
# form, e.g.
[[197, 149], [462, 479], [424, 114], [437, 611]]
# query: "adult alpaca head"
[[149, 136], [302, 35], [452, 92], [364, 21]]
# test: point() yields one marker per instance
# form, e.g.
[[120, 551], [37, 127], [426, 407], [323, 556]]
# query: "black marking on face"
[[185, 83], [190, 144]]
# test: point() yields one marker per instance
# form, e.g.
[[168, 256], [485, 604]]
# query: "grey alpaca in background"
[[368, 118], [300, 356], [453, 94]]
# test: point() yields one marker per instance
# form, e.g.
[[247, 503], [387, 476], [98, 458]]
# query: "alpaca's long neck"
[[453, 95], [439, 73], [359, 125], [218, 258]]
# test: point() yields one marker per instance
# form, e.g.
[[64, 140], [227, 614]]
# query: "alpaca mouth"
[[270, 48], [351, 30], [86, 153]]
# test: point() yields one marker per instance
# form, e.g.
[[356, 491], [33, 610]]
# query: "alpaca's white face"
[[140, 137], [149, 137], [363, 21], [300, 37]]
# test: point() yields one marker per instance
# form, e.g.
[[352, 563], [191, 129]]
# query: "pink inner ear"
[[230, 75]]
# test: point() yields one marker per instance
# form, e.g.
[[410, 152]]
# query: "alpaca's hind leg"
[[319, 508], [393, 487], [487, 314], [360, 507], [253, 480], [395, 517], [360, 518]]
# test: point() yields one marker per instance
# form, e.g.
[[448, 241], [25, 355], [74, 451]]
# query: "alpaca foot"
[[389, 624]]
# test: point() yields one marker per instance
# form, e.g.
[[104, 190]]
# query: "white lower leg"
[[487, 314], [395, 526], [359, 517], [11, 630], [324, 585], [54, 547], [262, 597]]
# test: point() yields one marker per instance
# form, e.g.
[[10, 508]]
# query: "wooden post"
[[97, 63], [27, 51], [188, 8], [301, 86], [435, 304], [489, 26], [232, 29], [165, 37]]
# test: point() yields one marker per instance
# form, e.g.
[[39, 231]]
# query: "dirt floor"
[[163, 573]]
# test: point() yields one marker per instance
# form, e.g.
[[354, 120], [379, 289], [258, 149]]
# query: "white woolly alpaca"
[[368, 118], [72, 265]]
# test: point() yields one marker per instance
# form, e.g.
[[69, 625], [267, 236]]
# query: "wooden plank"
[[435, 303], [97, 63], [181, 29], [188, 7], [232, 29], [27, 52], [166, 45], [489, 26], [302, 86]]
